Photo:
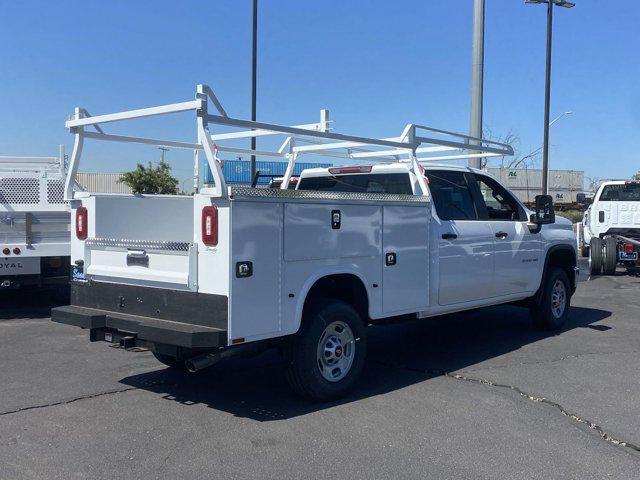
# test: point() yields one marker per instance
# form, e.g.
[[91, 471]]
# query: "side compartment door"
[[465, 244], [517, 251], [405, 258]]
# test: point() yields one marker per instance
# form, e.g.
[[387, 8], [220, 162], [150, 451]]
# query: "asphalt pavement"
[[469, 396]]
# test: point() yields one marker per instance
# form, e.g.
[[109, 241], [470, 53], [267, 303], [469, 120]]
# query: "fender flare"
[[313, 279], [551, 250]]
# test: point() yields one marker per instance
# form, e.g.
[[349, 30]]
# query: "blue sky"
[[376, 65]]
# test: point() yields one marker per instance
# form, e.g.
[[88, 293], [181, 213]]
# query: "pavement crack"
[[76, 399], [532, 398], [536, 399]]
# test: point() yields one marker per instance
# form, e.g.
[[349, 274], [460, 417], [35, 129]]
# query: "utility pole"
[[254, 67], [477, 76], [162, 150]]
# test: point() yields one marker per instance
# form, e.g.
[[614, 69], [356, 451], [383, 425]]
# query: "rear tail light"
[[16, 251], [210, 225], [628, 248], [81, 223], [6, 251]]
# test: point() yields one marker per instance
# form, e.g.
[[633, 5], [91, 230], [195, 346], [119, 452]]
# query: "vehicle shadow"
[[399, 355], [30, 303]]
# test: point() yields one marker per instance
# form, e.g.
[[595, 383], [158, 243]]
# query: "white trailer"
[[234, 270], [34, 222]]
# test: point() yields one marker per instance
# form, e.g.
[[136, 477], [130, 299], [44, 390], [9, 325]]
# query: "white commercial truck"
[[235, 270], [610, 231], [34, 222]]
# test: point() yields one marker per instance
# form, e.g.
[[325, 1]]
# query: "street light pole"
[[547, 102], [254, 66], [477, 73], [547, 88]]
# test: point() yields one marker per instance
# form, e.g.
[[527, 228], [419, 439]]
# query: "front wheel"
[[552, 310], [326, 356]]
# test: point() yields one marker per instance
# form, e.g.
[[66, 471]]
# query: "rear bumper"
[[146, 314], [136, 328]]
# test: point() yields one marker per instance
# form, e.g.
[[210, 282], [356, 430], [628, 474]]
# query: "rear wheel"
[[552, 310], [595, 256], [170, 361], [610, 255], [327, 354]]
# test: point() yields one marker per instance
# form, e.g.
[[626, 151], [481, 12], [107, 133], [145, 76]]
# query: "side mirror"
[[544, 212], [581, 199]]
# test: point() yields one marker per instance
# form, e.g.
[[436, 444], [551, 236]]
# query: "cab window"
[[397, 183], [498, 202], [451, 195]]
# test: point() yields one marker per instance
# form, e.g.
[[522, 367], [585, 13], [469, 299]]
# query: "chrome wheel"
[[558, 299], [336, 351]]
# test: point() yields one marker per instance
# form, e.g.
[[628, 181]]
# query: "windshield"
[[629, 192]]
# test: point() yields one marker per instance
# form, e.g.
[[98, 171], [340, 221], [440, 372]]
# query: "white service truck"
[[34, 222], [231, 271], [610, 229]]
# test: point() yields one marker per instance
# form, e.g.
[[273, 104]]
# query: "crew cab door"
[[517, 251], [465, 244]]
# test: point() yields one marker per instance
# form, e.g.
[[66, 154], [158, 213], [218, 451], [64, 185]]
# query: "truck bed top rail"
[[412, 145]]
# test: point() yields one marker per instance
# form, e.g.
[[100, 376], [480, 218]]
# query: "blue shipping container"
[[239, 171]]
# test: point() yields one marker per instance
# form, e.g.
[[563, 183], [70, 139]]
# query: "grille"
[[55, 191], [20, 190]]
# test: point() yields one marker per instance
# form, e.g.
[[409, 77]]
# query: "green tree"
[[636, 176], [151, 179]]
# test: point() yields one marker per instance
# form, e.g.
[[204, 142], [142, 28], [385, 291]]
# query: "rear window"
[[629, 192], [397, 183]]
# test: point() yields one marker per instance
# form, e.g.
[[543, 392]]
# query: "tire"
[[595, 256], [326, 357], [170, 361], [552, 310], [610, 255]]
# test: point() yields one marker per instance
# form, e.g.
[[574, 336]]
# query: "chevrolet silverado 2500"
[[233, 270]]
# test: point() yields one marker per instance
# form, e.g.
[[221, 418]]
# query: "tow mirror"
[[545, 211], [583, 200]]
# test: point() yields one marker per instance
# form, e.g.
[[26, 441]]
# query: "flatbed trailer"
[[34, 222]]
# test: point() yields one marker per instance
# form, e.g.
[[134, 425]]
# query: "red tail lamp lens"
[[81, 223], [16, 251], [210, 225], [6, 251], [628, 248]]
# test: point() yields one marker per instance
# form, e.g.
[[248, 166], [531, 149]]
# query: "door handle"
[[449, 236], [502, 235]]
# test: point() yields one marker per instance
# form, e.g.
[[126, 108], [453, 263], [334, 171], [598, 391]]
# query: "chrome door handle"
[[502, 235], [449, 236]]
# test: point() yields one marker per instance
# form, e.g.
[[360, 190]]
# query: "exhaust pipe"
[[206, 360]]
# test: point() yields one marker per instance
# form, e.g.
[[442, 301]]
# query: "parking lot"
[[475, 395]]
